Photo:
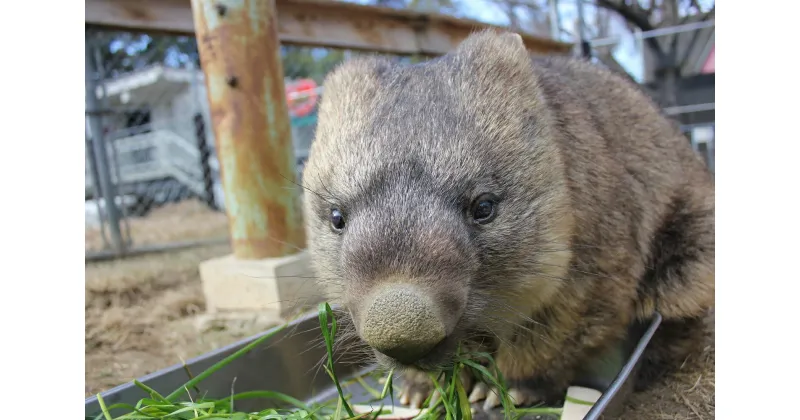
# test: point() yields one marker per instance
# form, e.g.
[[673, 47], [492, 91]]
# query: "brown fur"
[[606, 214]]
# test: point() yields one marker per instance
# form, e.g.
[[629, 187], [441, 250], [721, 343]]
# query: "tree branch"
[[628, 13], [637, 18], [647, 12]]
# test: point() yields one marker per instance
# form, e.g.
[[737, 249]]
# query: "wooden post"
[[240, 56]]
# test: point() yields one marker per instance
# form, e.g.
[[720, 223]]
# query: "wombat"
[[530, 207]]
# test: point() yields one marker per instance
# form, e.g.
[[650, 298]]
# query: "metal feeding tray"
[[288, 363]]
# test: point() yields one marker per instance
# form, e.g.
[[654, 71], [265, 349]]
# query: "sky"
[[626, 51]]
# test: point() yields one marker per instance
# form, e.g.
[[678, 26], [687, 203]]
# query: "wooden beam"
[[321, 23]]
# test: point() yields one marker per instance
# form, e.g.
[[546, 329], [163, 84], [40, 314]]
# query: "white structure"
[[155, 139], [153, 146]]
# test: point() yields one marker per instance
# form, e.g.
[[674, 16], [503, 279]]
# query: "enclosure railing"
[[694, 40], [147, 154], [154, 125]]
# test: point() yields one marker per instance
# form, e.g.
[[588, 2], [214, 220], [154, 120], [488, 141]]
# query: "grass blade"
[[388, 387], [325, 312], [152, 392], [270, 395], [200, 406], [217, 366], [372, 391], [463, 401], [103, 407], [540, 410], [443, 396], [338, 414], [496, 381], [127, 407]]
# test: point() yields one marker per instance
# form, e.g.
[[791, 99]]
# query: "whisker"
[[323, 198]]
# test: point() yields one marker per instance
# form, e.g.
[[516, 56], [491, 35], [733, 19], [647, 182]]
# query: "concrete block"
[[249, 322], [579, 402], [275, 284]]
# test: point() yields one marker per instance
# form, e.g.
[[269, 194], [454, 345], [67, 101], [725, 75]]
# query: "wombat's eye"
[[483, 209], [337, 220]]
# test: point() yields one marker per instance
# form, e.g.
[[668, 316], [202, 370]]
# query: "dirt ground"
[[185, 221], [142, 315], [688, 394], [142, 312]]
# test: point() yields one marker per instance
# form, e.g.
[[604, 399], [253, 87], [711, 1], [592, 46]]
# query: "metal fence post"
[[711, 149], [555, 20], [201, 137], [107, 189], [585, 45], [640, 47], [240, 56]]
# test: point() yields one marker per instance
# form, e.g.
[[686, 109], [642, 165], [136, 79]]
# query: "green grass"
[[453, 404]]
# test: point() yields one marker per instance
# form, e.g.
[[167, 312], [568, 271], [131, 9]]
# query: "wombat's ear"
[[354, 81], [494, 54]]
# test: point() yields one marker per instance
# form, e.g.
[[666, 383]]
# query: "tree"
[[649, 15], [122, 52], [530, 16], [314, 63]]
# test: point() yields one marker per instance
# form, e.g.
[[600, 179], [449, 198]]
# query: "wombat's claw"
[[416, 387], [519, 397], [412, 396], [434, 398], [492, 400], [478, 392], [523, 398]]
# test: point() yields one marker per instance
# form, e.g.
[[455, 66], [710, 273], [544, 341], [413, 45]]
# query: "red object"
[[708, 66], [303, 105]]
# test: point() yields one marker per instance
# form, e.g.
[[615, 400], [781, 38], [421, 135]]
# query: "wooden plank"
[[172, 16], [321, 23]]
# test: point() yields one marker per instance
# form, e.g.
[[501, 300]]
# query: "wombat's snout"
[[402, 322]]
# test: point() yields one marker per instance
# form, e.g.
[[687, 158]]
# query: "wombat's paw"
[[417, 387]]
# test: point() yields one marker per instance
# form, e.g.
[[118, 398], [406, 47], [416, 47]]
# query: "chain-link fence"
[[152, 174]]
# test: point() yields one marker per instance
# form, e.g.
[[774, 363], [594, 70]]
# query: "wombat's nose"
[[402, 322]]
